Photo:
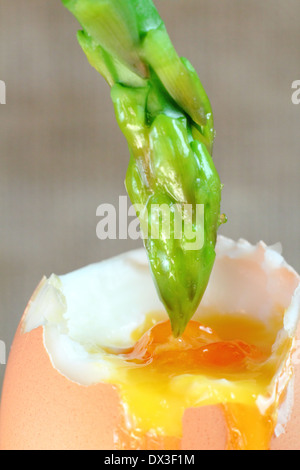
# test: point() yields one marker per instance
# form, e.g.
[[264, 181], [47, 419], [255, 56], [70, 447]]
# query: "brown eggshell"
[[43, 410]]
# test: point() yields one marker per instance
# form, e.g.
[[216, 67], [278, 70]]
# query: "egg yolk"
[[162, 376]]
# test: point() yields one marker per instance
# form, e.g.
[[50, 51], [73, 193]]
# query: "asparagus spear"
[[166, 117]]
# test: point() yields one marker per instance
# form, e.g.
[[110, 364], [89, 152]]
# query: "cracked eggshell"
[[53, 397]]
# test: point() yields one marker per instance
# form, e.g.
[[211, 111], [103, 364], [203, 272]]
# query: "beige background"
[[61, 153]]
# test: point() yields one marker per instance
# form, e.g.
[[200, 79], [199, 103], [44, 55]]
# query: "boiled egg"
[[94, 364]]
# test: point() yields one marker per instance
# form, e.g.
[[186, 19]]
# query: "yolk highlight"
[[199, 348]]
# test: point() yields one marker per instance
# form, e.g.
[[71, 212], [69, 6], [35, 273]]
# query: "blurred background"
[[62, 154]]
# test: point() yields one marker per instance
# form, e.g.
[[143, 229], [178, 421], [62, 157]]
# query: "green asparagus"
[[166, 117]]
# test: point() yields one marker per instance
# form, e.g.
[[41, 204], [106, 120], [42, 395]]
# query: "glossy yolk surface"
[[162, 376]]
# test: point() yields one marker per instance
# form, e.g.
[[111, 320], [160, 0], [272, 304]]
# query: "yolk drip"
[[162, 376]]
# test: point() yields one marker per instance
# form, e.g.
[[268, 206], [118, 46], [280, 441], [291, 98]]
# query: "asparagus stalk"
[[166, 117]]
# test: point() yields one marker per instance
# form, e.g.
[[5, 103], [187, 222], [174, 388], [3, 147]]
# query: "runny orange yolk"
[[162, 376]]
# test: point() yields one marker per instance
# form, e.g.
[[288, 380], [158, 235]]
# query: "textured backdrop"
[[61, 153]]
